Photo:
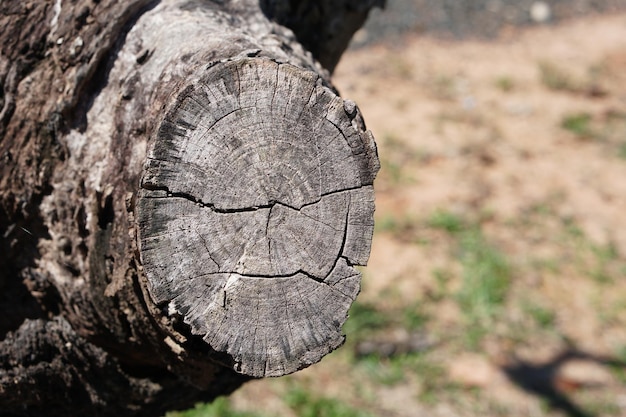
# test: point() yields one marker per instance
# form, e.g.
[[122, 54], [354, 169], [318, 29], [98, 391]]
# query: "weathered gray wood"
[[257, 184]]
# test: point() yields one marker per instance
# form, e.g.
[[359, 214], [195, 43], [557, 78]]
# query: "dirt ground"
[[497, 280]]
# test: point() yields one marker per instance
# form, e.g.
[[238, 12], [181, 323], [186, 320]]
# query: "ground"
[[497, 280]]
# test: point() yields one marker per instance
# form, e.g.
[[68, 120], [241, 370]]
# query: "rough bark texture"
[[93, 318]]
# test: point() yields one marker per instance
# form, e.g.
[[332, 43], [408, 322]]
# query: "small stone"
[[540, 12]]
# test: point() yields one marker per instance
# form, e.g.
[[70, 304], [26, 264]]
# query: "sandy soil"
[[520, 145]]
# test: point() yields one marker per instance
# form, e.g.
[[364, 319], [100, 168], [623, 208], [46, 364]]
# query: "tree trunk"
[[182, 201]]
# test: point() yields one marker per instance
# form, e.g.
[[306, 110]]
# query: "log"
[[183, 199]]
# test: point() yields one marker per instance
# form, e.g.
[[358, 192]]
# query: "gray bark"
[[183, 196]]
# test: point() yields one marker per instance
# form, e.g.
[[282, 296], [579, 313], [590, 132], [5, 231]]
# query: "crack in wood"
[[189, 197], [212, 207], [264, 276]]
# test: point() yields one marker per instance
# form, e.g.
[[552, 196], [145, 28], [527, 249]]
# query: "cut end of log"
[[256, 202]]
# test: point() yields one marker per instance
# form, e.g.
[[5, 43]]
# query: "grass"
[[402, 228], [446, 221], [618, 369], [579, 124], [485, 277], [219, 408], [385, 371], [414, 317], [364, 319], [392, 171], [607, 128], [602, 407], [606, 258], [614, 131], [389, 223], [543, 317], [442, 278], [395, 155], [367, 323], [430, 375], [556, 78], [601, 262], [432, 378], [485, 284], [305, 404], [505, 84]]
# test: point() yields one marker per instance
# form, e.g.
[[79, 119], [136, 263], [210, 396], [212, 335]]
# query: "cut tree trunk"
[[183, 199]]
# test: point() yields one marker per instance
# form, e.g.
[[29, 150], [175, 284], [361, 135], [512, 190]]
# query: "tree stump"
[[257, 200]]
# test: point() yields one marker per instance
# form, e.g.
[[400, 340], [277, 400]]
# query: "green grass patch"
[[485, 283], [618, 368], [305, 404], [384, 371], [606, 260], [602, 263], [543, 317], [388, 224], [446, 221], [220, 407], [394, 224], [364, 319], [442, 278], [485, 275], [579, 124], [392, 171], [414, 317], [505, 84], [394, 370], [395, 156], [432, 377], [602, 407], [403, 228]]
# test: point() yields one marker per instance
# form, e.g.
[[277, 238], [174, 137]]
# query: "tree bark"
[[182, 201]]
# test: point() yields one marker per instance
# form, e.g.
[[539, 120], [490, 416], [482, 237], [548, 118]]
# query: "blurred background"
[[497, 280]]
